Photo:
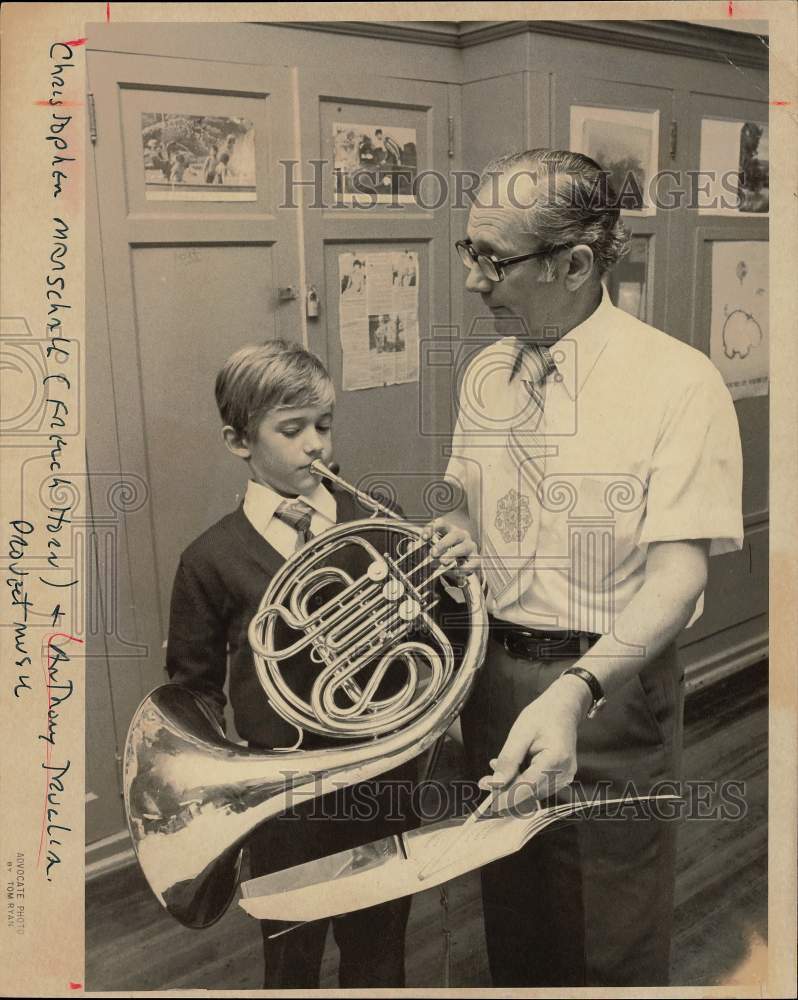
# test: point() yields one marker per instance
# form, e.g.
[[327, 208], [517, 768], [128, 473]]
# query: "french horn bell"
[[192, 797]]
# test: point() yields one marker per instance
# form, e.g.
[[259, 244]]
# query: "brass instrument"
[[192, 797]]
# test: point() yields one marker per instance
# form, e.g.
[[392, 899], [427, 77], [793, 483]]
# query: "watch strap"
[[596, 690]]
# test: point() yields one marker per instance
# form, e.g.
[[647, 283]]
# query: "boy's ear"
[[235, 443]]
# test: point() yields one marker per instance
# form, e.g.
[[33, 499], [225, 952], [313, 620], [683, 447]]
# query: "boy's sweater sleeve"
[[196, 652]]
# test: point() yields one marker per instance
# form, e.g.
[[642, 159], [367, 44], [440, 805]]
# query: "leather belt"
[[536, 644]]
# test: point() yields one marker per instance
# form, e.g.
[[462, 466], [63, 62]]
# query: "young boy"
[[276, 402]]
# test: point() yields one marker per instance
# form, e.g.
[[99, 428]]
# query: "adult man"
[[600, 466]]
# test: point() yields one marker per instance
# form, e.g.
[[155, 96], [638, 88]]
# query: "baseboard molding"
[[115, 852], [710, 669]]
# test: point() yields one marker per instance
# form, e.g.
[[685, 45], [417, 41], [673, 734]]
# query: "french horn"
[[192, 797]]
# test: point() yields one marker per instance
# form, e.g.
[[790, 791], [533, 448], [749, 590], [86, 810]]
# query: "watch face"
[[596, 707]]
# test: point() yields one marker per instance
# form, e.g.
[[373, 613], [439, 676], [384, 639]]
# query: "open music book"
[[415, 861]]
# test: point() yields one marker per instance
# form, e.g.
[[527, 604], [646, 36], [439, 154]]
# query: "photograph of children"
[[198, 158], [386, 333], [374, 162], [626, 145], [404, 270], [353, 281]]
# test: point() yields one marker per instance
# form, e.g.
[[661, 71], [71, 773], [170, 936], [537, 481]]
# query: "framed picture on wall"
[[374, 161], [197, 157], [626, 144], [735, 168]]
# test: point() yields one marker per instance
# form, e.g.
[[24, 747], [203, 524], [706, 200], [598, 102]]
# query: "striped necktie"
[[511, 521], [525, 440], [298, 515]]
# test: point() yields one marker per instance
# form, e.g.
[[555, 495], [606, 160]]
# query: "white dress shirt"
[[260, 503], [642, 445]]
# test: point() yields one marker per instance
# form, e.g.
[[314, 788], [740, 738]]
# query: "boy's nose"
[[314, 444]]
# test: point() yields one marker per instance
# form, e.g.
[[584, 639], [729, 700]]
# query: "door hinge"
[[674, 137], [92, 118], [450, 122]]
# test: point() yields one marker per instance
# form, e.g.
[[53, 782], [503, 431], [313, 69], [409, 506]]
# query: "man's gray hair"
[[574, 202]]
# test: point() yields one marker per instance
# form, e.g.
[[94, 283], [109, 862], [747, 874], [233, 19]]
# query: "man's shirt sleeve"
[[695, 483]]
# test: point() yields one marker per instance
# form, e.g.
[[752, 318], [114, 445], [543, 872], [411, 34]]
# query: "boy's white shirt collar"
[[260, 503]]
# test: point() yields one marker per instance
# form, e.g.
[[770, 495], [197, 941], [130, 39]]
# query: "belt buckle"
[[544, 645], [514, 646], [573, 645], [524, 647]]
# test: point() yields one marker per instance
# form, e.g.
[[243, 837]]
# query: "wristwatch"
[[596, 690]]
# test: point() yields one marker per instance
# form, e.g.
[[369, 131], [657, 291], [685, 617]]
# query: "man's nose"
[[476, 281]]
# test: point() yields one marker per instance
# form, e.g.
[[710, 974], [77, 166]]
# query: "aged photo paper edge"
[[49, 957]]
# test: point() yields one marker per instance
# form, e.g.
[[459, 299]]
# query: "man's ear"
[[235, 443], [580, 267]]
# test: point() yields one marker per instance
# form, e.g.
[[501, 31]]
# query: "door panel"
[[187, 278], [701, 231], [194, 306], [396, 432]]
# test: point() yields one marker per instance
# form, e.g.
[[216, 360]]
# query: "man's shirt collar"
[[577, 352]]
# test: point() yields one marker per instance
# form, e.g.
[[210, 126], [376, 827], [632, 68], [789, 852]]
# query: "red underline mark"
[[60, 104], [731, 8], [75, 986], [47, 753], [108, 10], [75, 42], [781, 104]]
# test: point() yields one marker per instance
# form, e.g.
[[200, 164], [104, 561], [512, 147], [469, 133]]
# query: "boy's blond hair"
[[259, 378]]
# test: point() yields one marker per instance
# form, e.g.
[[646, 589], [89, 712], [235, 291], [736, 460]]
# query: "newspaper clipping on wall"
[[378, 318]]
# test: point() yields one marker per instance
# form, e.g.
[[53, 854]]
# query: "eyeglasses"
[[491, 266]]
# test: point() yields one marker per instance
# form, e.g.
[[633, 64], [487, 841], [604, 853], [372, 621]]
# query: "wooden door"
[[389, 436], [739, 581], [185, 273]]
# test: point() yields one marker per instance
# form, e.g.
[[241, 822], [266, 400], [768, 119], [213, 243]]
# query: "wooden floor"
[[721, 892]]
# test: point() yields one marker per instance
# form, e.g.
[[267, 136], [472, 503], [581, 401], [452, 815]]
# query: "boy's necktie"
[[298, 514], [512, 510]]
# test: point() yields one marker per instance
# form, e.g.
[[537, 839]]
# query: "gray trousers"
[[588, 903]]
